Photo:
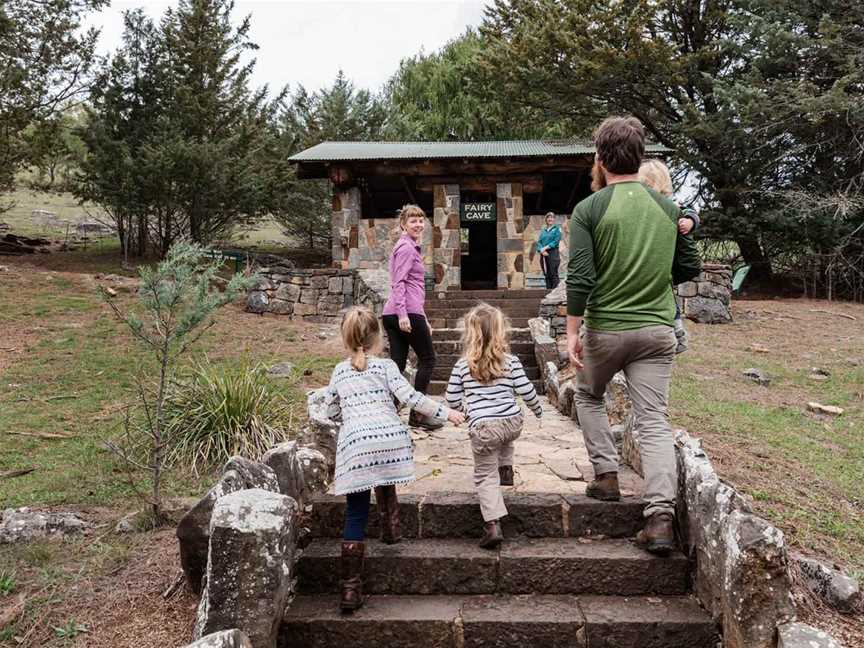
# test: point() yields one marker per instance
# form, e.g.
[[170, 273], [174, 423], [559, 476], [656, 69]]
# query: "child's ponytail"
[[360, 333]]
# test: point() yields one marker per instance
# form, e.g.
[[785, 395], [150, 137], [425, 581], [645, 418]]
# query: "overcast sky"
[[308, 42]]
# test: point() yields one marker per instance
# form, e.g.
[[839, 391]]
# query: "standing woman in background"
[[404, 316], [547, 246]]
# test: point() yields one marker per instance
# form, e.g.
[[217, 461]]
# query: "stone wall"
[[445, 249], [707, 298], [311, 295]]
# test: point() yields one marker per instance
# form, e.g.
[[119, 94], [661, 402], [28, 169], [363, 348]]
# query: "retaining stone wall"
[[312, 295]]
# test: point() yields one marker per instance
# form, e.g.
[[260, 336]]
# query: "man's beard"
[[598, 177]]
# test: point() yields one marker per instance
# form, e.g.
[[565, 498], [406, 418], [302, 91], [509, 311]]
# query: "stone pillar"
[[511, 254], [446, 259], [346, 220]]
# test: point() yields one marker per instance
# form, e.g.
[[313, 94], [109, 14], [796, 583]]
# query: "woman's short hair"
[[548, 214], [410, 211], [655, 174]]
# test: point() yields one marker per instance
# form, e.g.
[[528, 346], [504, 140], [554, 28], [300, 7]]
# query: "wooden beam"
[[530, 183]]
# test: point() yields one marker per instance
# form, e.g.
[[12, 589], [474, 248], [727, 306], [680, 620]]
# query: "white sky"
[[308, 42]]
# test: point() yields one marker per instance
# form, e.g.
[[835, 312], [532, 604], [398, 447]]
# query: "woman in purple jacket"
[[404, 318]]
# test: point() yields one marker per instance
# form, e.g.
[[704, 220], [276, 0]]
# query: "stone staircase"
[[444, 315], [567, 574]]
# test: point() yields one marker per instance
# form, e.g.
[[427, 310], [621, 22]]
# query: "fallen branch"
[[827, 312], [44, 435], [28, 399], [174, 586], [9, 474]]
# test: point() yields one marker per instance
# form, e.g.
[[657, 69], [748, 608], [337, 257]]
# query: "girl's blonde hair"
[[410, 211], [655, 174], [360, 334], [484, 342]]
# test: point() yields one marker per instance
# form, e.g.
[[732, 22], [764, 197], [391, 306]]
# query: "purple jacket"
[[407, 279]]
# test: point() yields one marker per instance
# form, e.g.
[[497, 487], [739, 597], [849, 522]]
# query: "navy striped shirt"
[[494, 400]]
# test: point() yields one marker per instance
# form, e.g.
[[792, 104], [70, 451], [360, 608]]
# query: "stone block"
[[589, 517], [288, 292], [328, 516], [26, 525], [548, 621], [223, 639], [282, 459], [303, 310], [248, 581], [707, 311], [831, 585], [257, 302], [687, 289], [537, 515], [801, 635], [715, 291], [334, 285], [281, 307], [193, 530]]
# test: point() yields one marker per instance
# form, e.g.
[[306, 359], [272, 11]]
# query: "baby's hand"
[[455, 417], [685, 225]]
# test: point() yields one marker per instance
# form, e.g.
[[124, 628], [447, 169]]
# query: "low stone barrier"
[[312, 295]]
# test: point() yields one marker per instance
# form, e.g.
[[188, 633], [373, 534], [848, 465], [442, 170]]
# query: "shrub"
[[215, 412]]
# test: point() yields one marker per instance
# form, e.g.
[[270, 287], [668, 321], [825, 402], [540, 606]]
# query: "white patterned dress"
[[374, 446]]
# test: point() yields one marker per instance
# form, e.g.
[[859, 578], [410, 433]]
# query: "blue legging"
[[356, 516]]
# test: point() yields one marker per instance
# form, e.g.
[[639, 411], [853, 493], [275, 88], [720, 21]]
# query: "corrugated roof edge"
[[343, 151]]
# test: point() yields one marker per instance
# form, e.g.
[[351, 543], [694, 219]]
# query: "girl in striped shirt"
[[484, 384]]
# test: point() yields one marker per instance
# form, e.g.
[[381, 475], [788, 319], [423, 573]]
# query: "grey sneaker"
[[681, 336]]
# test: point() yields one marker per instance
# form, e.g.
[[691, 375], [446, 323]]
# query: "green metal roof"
[[368, 151]]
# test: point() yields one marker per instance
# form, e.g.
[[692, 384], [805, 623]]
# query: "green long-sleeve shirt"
[[625, 254]]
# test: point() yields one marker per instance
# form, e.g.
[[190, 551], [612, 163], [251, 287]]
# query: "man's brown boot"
[[658, 536], [352, 575], [388, 511], [505, 473], [604, 487], [492, 535]]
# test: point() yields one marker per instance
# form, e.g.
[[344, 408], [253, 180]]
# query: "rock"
[[257, 302], [617, 398], [315, 469], [758, 376], [539, 327], [321, 432], [834, 587], [193, 530], [322, 335], [631, 451], [24, 525], [818, 372], [818, 408], [223, 639], [707, 311], [283, 460], [801, 635], [249, 573], [281, 370]]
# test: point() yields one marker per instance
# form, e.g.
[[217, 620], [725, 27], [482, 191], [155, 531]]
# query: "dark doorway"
[[479, 263]]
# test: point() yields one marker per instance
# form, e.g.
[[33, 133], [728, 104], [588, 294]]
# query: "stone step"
[[438, 387], [442, 371], [450, 359], [455, 322], [445, 334], [457, 515], [521, 566], [520, 293], [488, 621], [454, 347], [503, 302], [517, 309]]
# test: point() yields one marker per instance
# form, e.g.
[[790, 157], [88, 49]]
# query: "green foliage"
[[179, 145], [7, 582], [757, 97], [70, 630], [176, 302], [447, 95], [214, 412], [53, 149], [44, 61], [339, 112]]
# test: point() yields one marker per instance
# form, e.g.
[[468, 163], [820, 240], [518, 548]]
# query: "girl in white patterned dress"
[[373, 450]]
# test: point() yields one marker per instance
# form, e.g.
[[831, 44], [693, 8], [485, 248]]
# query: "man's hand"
[[404, 324], [685, 225], [574, 343]]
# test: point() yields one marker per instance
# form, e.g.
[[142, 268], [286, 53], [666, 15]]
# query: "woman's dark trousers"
[[419, 339], [549, 265]]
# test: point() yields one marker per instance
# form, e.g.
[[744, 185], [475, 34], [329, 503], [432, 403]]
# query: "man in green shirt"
[[625, 254]]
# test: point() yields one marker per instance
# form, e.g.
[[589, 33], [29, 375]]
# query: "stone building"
[[486, 202]]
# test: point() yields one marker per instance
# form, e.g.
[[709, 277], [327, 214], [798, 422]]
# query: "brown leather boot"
[[388, 511], [352, 575], [658, 536], [416, 419], [492, 535], [505, 473], [604, 487]]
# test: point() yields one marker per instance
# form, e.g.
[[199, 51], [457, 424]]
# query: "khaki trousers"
[[645, 356], [492, 446]]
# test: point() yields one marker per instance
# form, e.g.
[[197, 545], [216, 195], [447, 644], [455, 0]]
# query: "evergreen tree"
[[45, 61]]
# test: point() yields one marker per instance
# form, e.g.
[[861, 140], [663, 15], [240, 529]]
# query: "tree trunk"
[[754, 256]]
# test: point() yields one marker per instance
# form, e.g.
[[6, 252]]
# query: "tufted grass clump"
[[214, 412]]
